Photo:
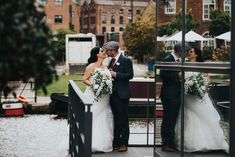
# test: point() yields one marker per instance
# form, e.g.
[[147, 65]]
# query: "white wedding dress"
[[102, 121], [202, 130]]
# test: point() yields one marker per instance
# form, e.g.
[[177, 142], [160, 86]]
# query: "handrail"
[[212, 67], [80, 122]]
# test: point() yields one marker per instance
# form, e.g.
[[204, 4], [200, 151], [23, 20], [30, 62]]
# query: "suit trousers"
[[121, 124], [171, 110]]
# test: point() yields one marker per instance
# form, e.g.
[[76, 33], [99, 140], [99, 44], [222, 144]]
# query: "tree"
[[220, 22], [59, 45], [139, 39], [26, 50], [176, 24]]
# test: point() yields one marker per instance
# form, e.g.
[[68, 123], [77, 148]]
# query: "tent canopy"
[[225, 36], [191, 36]]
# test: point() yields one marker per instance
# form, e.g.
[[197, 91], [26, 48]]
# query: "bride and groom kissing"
[[110, 93], [202, 130]]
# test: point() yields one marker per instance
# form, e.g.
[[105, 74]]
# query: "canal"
[[46, 136]]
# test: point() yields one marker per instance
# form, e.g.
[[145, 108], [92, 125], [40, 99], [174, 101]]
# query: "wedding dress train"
[[202, 130], [102, 122]]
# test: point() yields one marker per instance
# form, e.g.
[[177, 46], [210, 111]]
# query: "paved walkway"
[[132, 152]]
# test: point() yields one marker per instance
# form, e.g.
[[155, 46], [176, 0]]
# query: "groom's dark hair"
[[178, 47]]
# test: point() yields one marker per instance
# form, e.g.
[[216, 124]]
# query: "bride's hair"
[[198, 52], [93, 55]]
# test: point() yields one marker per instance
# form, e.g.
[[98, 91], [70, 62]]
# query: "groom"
[[170, 98], [121, 69]]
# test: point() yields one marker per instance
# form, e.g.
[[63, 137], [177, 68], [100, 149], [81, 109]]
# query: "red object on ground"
[[159, 113], [14, 112]]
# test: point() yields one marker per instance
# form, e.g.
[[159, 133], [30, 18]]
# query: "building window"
[[171, 7], [121, 29], [93, 10], [104, 19], [72, 14], [113, 11], [43, 2], [138, 12], [121, 11], [207, 6], [129, 18], [121, 20], [103, 30], [112, 29], [129, 11], [227, 7], [92, 20], [58, 19], [58, 2], [169, 45], [112, 19], [210, 42]]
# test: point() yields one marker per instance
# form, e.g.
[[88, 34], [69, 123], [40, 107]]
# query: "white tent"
[[163, 38], [225, 36], [191, 36]]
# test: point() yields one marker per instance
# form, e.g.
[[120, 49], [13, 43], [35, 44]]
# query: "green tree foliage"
[[139, 39], [176, 24], [26, 50], [59, 45], [220, 22]]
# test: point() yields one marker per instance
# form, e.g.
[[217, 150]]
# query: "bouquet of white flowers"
[[102, 83], [195, 84]]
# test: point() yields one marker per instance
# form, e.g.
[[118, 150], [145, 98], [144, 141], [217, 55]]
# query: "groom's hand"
[[113, 73]]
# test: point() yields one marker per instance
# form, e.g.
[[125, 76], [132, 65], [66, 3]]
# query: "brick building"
[[61, 14], [107, 19], [200, 10]]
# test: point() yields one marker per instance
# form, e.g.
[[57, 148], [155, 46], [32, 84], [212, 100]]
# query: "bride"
[[202, 130], [102, 117]]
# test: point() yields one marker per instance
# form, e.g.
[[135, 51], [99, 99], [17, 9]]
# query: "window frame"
[[170, 9], [56, 19], [208, 4]]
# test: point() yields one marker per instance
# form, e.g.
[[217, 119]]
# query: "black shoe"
[[116, 147], [168, 149], [122, 148]]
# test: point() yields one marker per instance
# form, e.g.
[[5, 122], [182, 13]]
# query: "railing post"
[[80, 123]]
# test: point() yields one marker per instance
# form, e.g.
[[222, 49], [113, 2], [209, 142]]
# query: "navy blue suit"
[[119, 99], [170, 98]]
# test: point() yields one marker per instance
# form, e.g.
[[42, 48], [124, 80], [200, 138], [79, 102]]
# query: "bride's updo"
[[93, 55]]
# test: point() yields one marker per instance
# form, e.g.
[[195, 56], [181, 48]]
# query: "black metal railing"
[[80, 122], [141, 107]]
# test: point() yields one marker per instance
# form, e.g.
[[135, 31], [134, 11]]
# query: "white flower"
[[196, 84], [190, 83], [102, 83], [95, 87]]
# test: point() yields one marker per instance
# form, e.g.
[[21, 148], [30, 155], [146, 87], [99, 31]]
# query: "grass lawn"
[[61, 85]]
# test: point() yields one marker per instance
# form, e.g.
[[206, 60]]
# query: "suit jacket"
[[124, 69], [170, 81]]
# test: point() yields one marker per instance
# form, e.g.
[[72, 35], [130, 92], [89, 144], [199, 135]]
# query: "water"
[[44, 136], [33, 136]]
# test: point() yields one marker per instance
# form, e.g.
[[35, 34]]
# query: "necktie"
[[113, 61]]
